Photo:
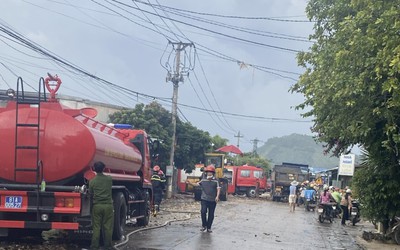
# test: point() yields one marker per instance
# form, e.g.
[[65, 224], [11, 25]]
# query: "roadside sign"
[[169, 171], [346, 164]]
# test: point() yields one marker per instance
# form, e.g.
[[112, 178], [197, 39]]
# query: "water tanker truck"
[[46, 161]]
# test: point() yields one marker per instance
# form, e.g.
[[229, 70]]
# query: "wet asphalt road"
[[251, 224]]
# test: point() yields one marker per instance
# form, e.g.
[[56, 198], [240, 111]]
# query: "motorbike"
[[395, 229], [310, 200], [325, 212], [310, 204], [354, 214], [336, 210]]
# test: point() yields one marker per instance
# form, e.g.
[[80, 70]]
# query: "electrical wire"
[[232, 16], [4, 80], [215, 32], [224, 58], [37, 48], [242, 29]]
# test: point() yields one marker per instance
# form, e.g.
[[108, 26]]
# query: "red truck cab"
[[245, 180]]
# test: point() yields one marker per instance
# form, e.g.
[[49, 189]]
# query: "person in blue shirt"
[[309, 196]]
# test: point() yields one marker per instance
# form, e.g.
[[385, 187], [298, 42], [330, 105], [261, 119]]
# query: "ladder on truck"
[[34, 101]]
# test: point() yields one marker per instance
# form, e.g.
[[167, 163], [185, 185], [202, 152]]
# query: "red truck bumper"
[[24, 209]]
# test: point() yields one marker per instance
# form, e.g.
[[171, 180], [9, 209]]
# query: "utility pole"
[[176, 78], [238, 136], [255, 142]]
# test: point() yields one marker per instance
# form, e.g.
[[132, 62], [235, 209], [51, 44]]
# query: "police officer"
[[100, 188], [210, 191], [158, 182]]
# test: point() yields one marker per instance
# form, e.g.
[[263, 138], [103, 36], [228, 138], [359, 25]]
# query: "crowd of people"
[[306, 191]]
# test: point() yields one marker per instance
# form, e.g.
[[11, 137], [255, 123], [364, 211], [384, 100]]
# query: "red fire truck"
[[245, 180], [46, 159]]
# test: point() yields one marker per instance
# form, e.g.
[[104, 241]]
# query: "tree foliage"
[[351, 83], [191, 143], [378, 188], [251, 160]]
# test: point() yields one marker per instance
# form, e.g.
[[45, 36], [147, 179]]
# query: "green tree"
[[217, 142], [191, 142], [251, 160], [351, 85]]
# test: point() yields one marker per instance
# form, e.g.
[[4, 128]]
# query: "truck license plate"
[[13, 202]]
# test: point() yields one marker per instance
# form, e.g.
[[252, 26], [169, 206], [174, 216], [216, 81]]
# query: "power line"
[[214, 32], [56, 59], [260, 68], [212, 93], [5, 81], [231, 16], [155, 26], [241, 29]]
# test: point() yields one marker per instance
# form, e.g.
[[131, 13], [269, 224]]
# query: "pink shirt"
[[325, 198]]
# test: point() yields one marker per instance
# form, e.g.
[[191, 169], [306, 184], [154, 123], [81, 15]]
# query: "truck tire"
[[224, 192], [120, 211], [251, 192], [147, 210]]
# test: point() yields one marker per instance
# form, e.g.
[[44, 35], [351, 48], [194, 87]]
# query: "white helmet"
[[348, 191], [326, 187]]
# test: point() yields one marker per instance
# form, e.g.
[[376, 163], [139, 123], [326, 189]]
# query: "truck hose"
[[116, 246]]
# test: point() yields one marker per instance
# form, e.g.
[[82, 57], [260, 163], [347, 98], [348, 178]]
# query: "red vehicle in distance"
[[245, 180]]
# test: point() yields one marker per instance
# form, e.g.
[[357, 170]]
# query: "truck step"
[[27, 147]]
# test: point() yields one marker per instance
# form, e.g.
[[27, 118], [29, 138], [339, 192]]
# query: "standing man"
[[292, 195], [158, 182], [100, 188], [210, 190]]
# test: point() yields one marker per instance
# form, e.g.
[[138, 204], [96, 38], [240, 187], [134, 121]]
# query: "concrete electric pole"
[[238, 136], [175, 78]]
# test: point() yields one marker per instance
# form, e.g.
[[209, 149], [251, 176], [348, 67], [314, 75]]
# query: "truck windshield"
[[258, 174], [216, 161]]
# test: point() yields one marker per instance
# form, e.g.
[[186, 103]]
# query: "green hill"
[[296, 148]]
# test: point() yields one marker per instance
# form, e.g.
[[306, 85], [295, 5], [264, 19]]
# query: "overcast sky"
[[126, 43]]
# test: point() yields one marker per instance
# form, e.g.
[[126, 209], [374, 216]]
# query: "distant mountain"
[[296, 148]]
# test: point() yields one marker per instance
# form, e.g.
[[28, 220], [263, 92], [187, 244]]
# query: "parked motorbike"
[[325, 212], [355, 212], [395, 229]]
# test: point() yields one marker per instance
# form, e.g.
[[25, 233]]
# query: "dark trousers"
[[345, 214], [210, 206], [157, 197]]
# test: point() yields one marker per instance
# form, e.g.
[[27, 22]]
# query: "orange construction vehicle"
[[187, 182]]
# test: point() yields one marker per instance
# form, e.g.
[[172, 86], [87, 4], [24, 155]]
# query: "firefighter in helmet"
[[158, 182], [210, 191]]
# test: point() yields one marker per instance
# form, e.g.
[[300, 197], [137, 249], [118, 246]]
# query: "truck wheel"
[[251, 192], [147, 211], [119, 215], [223, 197], [224, 192]]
